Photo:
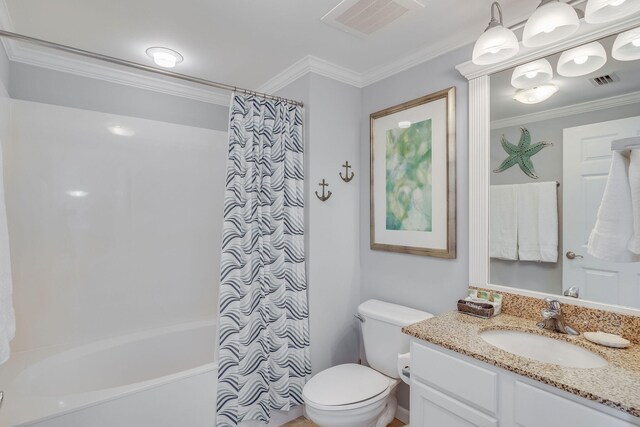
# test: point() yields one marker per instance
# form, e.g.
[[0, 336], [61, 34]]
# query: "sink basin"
[[543, 349]]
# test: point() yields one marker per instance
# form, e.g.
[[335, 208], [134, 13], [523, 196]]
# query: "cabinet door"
[[430, 407], [538, 408]]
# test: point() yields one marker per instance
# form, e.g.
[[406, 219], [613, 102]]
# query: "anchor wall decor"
[[347, 177], [324, 196]]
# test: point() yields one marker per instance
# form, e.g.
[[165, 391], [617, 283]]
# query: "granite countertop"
[[616, 385]]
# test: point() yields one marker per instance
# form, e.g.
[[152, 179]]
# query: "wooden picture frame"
[[413, 171]]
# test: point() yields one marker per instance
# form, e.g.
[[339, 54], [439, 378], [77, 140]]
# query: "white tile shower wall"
[[110, 233]]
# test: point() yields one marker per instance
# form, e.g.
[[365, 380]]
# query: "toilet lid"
[[345, 385]]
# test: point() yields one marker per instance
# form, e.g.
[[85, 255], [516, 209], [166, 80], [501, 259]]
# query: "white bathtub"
[[159, 378]]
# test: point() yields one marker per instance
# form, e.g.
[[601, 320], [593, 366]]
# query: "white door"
[[586, 162]]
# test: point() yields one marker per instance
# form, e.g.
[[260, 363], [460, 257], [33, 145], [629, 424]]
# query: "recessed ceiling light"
[[404, 124], [164, 57], [536, 94]]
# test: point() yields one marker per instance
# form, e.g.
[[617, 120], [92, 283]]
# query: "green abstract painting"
[[408, 173]]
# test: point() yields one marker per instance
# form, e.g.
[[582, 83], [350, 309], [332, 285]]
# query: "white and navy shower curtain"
[[264, 318]]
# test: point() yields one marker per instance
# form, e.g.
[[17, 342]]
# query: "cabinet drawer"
[[429, 407], [539, 408], [457, 377]]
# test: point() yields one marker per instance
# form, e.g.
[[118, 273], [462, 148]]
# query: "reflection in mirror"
[[564, 205]]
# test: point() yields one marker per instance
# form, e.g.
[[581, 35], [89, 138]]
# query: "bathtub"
[[160, 378]]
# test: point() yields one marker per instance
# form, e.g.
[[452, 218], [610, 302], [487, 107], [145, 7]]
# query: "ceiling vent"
[[364, 17], [604, 80]]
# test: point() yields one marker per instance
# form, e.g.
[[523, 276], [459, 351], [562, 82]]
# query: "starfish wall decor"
[[521, 154]]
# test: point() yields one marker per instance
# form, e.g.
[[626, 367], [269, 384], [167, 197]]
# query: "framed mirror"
[[541, 133]]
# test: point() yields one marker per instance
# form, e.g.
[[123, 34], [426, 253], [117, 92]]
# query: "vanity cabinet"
[[454, 390]]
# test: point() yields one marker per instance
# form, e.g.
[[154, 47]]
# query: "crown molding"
[[311, 64], [84, 68], [569, 110]]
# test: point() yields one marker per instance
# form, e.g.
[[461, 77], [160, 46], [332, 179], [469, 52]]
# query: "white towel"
[[634, 189], [538, 222], [7, 316], [610, 238], [503, 239]]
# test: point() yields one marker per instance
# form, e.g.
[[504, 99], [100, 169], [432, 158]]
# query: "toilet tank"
[[381, 333]]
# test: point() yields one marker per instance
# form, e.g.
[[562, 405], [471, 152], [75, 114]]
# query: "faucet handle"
[[553, 304]]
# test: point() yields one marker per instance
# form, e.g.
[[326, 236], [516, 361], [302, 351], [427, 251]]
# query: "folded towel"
[[538, 222], [503, 239], [610, 238]]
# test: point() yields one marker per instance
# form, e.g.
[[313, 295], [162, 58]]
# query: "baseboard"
[[402, 414]]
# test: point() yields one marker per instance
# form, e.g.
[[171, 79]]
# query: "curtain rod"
[[131, 64]]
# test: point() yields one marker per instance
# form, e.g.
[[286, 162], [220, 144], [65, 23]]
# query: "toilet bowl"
[[352, 395]]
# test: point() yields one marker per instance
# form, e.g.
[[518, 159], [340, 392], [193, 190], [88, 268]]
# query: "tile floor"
[[303, 422]]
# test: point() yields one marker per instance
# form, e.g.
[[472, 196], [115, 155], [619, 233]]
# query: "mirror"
[[553, 122]]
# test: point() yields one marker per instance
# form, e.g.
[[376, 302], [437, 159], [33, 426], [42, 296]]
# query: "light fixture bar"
[[142, 67]]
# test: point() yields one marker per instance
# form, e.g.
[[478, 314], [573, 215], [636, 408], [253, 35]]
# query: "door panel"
[[586, 163]]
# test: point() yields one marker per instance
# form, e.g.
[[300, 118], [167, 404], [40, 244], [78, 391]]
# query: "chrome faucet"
[[553, 320]]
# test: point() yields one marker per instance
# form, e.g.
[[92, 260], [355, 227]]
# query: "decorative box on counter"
[[481, 304]]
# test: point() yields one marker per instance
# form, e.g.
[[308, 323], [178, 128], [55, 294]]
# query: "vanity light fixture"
[[536, 94], [404, 124], [532, 74], [627, 46], [582, 60], [164, 57], [552, 21], [497, 43], [599, 11]]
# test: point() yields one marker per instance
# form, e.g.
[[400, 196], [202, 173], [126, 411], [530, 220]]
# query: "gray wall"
[[426, 283], [541, 276], [332, 136], [38, 84]]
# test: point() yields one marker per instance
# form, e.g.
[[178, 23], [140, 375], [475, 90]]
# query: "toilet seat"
[[346, 387]]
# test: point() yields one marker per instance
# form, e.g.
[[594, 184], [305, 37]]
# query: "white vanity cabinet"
[[449, 389]]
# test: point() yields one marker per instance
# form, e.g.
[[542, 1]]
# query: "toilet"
[[353, 395]]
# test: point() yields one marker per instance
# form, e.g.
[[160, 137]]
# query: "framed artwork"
[[413, 177]]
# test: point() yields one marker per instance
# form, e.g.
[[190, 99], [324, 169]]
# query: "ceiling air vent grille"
[[604, 80], [364, 17]]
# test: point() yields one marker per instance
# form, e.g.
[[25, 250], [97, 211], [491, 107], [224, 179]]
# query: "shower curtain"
[[263, 319]]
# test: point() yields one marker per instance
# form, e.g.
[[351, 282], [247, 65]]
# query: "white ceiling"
[[247, 42], [573, 90]]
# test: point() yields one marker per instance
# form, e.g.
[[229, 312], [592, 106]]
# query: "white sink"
[[543, 349]]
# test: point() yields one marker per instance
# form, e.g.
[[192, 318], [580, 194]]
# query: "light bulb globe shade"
[[536, 94], [600, 11], [495, 45], [532, 74], [582, 60], [164, 57], [627, 46], [550, 23]]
